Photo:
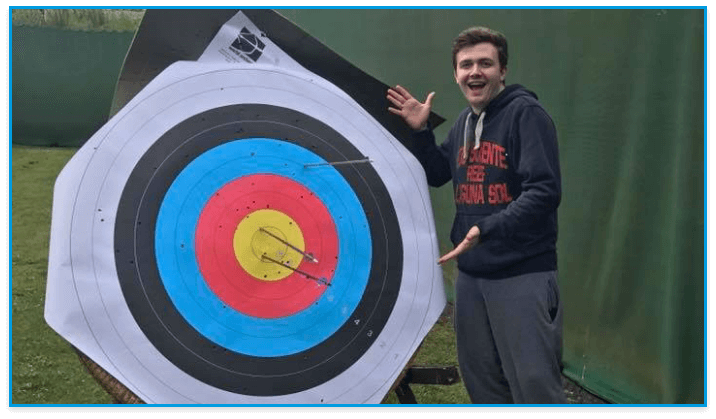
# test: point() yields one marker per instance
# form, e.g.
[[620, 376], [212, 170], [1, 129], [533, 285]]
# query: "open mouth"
[[476, 86]]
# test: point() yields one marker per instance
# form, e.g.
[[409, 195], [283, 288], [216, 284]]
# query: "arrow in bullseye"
[[308, 256], [307, 275]]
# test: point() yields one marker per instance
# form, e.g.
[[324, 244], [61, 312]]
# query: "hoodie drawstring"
[[477, 132]]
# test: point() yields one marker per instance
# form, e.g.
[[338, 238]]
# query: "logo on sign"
[[247, 46]]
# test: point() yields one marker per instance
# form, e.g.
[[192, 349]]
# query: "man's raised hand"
[[413, 112]]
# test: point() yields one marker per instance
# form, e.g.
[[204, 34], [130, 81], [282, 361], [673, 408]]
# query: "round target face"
[[233, 254], [218, 282], [277, 220]]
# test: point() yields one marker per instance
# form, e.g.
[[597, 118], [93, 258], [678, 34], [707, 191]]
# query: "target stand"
[[246, 234], [413, 374], [424, 375]]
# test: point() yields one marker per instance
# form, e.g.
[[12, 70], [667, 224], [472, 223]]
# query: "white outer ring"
[[97, 319]]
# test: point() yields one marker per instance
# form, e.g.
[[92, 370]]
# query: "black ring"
[[150, 304]]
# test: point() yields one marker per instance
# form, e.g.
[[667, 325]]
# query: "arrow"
[[308, 256], [307, 275]]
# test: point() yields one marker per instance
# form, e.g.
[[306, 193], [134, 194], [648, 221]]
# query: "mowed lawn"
[[45, 369]]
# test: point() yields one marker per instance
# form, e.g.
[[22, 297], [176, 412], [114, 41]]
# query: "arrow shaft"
[[306, 255], [306, 274]]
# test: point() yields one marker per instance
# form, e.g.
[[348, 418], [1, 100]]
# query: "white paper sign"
[[240, 41]]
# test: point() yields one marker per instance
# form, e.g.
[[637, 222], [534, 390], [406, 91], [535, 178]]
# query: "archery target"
[[260, 287], [264, 321], [187, 296]]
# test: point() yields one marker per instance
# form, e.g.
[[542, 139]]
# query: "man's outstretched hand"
[[471, 239], [413, 112]]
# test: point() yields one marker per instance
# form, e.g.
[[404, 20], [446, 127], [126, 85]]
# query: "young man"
[[502, 157]]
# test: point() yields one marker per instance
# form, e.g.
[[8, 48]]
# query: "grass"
[[80, 19], [45, 369]]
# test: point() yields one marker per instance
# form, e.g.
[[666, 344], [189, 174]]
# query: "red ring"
[[215, 250]]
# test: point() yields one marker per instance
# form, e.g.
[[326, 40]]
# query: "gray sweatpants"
[[509, 338]]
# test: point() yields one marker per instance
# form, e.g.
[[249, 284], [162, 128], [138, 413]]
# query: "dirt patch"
[[578, 395]]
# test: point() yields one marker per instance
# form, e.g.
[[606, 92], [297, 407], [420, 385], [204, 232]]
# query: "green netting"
[[626, 90], [62, 83]]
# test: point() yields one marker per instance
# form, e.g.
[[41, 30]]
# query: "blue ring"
[[175, 250]]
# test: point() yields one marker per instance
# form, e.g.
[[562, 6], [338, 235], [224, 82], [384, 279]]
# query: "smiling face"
[[479, 74]]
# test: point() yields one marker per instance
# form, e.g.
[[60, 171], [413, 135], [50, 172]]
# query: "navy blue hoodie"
[[509, 186]]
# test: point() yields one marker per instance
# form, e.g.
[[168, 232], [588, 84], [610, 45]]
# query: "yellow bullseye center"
[[254, 246]]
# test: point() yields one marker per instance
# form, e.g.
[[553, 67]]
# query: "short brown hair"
[[476, 35]]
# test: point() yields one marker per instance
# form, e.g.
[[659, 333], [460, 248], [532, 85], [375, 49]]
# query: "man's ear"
[[503, 74]]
